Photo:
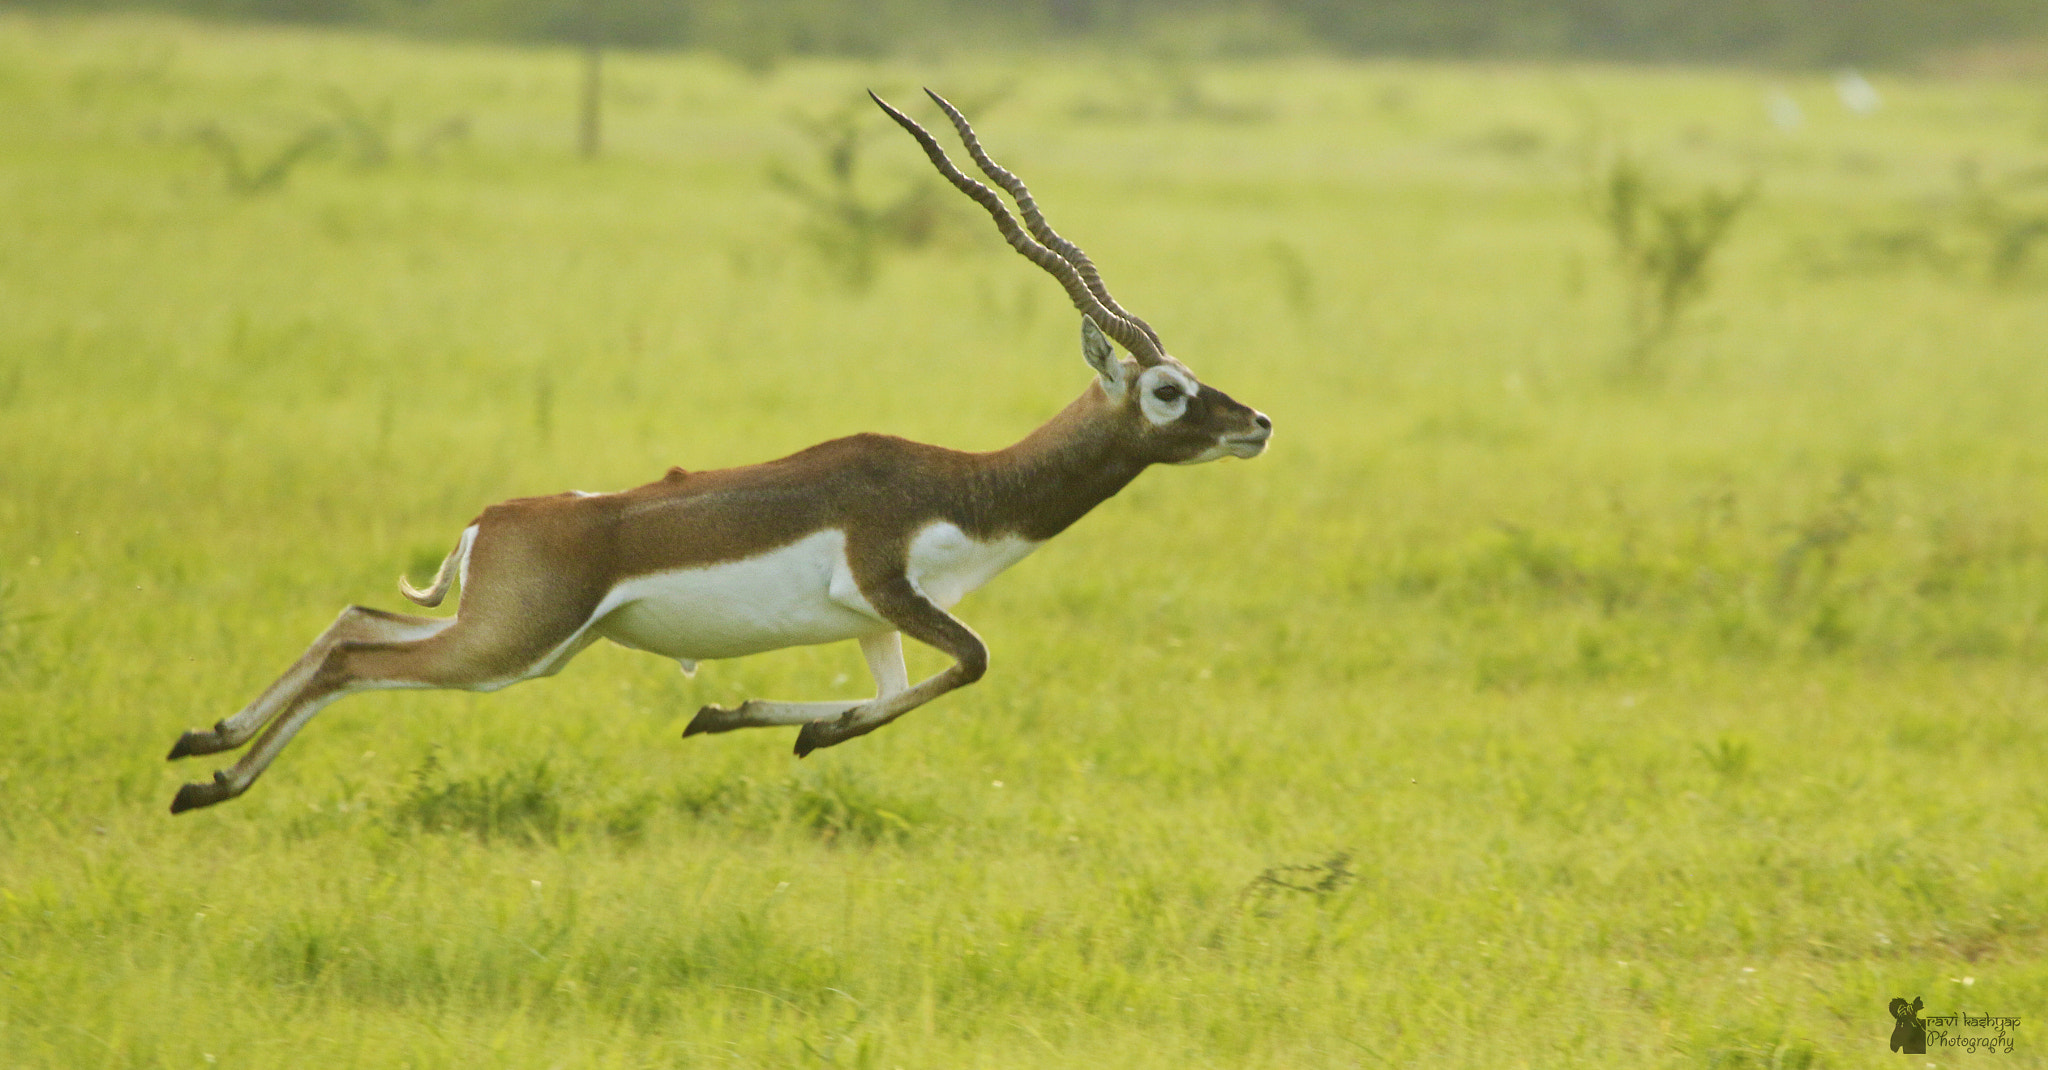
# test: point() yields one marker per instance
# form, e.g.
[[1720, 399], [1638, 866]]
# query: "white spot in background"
[[1857, 94], [1784, 112]]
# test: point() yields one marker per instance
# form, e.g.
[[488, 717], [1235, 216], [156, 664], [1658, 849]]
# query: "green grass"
[[1507, 712]]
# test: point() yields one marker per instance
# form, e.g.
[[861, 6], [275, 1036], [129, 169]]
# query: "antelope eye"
[[1168, 393]]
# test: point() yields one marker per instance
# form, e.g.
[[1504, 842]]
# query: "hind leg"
[[356, 624], [528, 601], [451, 656]]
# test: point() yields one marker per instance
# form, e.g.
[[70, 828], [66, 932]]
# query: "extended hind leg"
[[527, 605], [480, 652], [356, 624]]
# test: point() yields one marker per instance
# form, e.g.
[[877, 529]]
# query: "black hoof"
[[197, 742], [818, 734], [194, 796], [711, 719]]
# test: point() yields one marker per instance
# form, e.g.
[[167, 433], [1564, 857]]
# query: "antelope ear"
[[1116, 378]]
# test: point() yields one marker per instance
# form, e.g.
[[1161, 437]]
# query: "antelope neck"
[[1042, 484]]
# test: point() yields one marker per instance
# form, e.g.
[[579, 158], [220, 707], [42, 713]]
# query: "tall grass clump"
[[520, 805], [845, 225], [1663, 242]]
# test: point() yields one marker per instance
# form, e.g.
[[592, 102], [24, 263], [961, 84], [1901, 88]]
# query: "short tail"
[[454, 567]]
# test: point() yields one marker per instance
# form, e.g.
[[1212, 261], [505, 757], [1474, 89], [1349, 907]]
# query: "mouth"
[[1247, 446]]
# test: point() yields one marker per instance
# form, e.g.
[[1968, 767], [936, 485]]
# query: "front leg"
[[756, 713], [899, 600], [884, 653]]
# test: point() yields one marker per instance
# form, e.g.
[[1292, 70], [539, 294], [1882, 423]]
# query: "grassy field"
[[1520, 707]]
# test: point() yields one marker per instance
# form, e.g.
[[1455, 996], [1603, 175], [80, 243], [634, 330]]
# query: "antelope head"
[[1168, 415]]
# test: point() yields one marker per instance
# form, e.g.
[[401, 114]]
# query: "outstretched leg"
[[528, 599], [898, 600], [511, 628], [828, 723], [884, 653], [469, 659], [322, 674], [357, 624]]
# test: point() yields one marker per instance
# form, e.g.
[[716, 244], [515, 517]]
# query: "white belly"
[[795, 595]]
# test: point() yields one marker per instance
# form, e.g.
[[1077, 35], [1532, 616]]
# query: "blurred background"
[[1772, 32], [1633, 651]]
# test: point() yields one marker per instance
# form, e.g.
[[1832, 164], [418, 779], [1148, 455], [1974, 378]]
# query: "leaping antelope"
[[870, 537]]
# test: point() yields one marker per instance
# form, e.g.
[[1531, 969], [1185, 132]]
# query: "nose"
[[1260, 419]]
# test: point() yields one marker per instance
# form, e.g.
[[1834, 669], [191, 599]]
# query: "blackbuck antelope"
[[869, 538]]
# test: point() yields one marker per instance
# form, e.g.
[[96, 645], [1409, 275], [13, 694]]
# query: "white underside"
[[795, 595]]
